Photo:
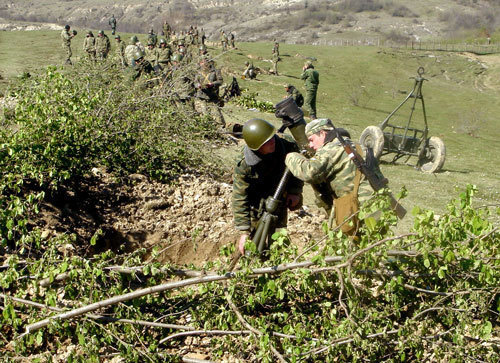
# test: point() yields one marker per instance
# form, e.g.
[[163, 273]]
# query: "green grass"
[[453, 96]]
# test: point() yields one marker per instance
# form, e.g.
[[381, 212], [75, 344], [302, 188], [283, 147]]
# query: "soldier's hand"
[[241, 243], [293, 201]]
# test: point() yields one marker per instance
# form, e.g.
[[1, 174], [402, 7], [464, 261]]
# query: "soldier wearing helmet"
[[207, 84], [151, 54], [102, 45], [141, 66], [89, 45], [257, 174], [112, 24], [339, 186], [66, 37], [164, 54], [120, 51], [131, 49], [152, 38]]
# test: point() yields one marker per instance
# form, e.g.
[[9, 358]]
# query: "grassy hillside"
[[359, 87]]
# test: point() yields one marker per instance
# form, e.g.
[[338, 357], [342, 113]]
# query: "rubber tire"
[[373, 137], [434, 157]]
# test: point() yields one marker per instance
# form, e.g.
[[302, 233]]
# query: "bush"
[[358, 6], [403, 12]]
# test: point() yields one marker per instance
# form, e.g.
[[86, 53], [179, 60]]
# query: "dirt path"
[[490, 78]]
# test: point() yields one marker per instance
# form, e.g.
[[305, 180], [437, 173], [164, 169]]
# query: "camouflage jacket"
[[151, 55], [331, 173], [311, 78], [120, 49], [164, 55], [102, 44], [130, 51], [209, 81], [256, 177], [89, 44], [66, 38]]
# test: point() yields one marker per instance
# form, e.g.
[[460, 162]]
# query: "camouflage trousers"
[[69, 53], [211, 108]]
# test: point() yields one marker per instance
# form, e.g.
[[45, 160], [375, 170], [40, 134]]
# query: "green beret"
[[317, 125]]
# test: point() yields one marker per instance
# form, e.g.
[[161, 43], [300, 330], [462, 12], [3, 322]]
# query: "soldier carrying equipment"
[[293, 119]]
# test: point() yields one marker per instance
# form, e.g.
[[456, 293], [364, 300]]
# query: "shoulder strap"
[[357, 177]]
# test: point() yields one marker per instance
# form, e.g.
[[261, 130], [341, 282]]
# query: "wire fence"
[[414, 45]]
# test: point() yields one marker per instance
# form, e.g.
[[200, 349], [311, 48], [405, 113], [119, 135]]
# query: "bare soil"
[[188, 220]]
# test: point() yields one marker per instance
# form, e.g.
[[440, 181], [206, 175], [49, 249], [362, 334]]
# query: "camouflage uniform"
[[223, 40], [152, 38], [208, 82], [231, 40], [66, 44], [120, 52], [166, 29], [311, 78], [151, 55], [102, 46], [331, 173], [130, 51], [276, 59], [255, 178], [164, 54], [89, 46]]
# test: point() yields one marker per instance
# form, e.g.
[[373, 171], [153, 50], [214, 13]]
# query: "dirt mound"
[[187, 221]]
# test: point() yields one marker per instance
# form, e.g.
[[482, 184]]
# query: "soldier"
[[120, 51], [164, 54], [337, 183], [131, 50], [112, 24], [66, 37], [231, 40], [207, 83], [276, 59], [311, 78], [296, 95], [151, 54], [276, 48], [166, 29], [223, 40], [89, 45], [102, 45], [257, 175], [203, 37], [152, 38], [141, 66], [196, 36], [250, 71]]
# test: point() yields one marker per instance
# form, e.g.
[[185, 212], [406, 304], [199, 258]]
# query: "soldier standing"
[[276, 59], [66, 37], [120, 51], [223, 40], [257, 175], [131, 50], [338, 184], [231, 40], [102, 45], [89, 45], [311, 78], [166, 29], [164, 54], [152, 38], [276, 48], [151, 54], [112, 24], [203, 37]]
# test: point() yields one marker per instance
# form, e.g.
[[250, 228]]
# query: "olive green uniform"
[[151, 55], [164, 55], [311, 78], [331, 174], [120, 52], [255, 178], [208, 82], [296, 95]]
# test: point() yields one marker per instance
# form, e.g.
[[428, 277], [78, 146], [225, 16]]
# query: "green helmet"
[[101, 32], [150, 42], [177, 57], [138, 55], [118, 37], [163, 41], [256, 132], [134, 39]]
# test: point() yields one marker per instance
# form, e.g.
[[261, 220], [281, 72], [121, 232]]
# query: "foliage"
[[431, 293], [249, 100], [66, 124]]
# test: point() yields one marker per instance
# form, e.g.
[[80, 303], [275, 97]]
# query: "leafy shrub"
[[403, 12], [359, 6], [249, 100]]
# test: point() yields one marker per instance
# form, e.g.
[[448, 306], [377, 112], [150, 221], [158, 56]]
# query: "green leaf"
[[486, 330], [427, 263], [371, 223]]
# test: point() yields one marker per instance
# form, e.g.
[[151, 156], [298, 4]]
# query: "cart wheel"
[[434, 155], [373, 137]]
